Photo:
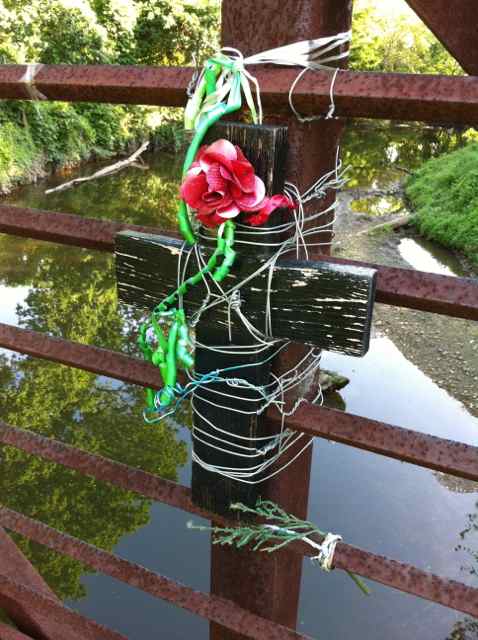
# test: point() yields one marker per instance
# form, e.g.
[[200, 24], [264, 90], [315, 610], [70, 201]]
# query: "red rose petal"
[[243, 175], [225, 173], [228, 210], [215, 180], [193, 189], [194, 169], [254, 200], [211, 221], [223, 148], [240, 155], [270, 205]]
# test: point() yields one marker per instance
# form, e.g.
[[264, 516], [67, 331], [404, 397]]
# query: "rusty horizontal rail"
[[408, 579], [445, 295], [80, 356], [417, 448], [214, 608], [116, 473], [456, 297], [389, 572], [64, 228], [74, 624], [430, 98], [406, 445]]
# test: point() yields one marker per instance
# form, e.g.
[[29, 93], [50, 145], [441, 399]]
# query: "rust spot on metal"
[[429, 98], [431, 452]]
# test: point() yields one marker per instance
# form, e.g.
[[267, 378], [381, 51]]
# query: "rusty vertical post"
[[269, 584]]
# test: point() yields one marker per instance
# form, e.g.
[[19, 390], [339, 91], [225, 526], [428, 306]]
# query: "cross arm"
[[326, 305]]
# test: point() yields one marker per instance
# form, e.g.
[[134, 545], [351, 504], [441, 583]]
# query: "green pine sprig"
[[281, 529]]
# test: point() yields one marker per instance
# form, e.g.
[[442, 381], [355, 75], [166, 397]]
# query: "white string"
[[326, 549], [315, 54], [329, 115], [309, 54], [255, 399], [28, 79]]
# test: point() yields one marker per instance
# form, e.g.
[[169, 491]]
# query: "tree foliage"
[[396, 44], [91, 32]]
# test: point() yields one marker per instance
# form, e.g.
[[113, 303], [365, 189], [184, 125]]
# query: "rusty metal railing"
[[433, 98], [456, 297], [389, 572], [427, 98], [424, 450]]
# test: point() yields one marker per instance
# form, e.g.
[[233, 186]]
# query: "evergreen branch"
[[282, 529]]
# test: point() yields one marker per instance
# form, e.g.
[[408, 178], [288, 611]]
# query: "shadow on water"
[[408, 513]]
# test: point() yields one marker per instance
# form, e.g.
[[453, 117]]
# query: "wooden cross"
[[325, 305]]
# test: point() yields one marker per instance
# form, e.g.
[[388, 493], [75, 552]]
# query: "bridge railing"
[[412, 97]]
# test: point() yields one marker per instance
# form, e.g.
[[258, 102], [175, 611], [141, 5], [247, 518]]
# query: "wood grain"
[[322, 304]]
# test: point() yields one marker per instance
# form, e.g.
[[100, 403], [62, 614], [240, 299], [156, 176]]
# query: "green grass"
[[444, 194]]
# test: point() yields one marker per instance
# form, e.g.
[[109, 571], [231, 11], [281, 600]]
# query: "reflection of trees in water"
[[375, 152], [467, 629], [141, 196], [77, 301]]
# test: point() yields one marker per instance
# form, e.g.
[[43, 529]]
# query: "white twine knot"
[[309, 54], [28, 79], [325, 557], [326, 548]]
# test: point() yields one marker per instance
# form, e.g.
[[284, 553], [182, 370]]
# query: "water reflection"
[[75, 298], [381, 155], [379, 205], [424, 255], [135, 195]]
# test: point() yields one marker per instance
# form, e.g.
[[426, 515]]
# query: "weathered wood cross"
[[325, 305]]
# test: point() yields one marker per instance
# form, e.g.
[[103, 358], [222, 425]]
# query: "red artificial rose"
[[221, 183]]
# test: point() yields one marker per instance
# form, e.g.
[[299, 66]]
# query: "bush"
[[444, 193]]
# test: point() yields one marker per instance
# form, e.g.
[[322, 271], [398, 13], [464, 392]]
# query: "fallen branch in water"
[[106, 171]]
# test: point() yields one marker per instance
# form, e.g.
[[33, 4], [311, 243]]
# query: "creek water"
[[421, 372]]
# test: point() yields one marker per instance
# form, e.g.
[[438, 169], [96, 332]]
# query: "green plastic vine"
[[173, 350]]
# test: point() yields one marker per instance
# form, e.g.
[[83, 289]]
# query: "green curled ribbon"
[[168, 352]]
